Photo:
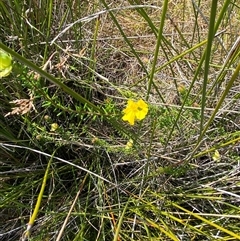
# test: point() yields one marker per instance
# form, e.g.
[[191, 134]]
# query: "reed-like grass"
[[72, 169]]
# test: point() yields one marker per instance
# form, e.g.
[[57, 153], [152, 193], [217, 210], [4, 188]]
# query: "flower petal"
[[140, 115], [135, 110], [130, 117], [5, 72], [5, 60], [5, 63], [142, 110]]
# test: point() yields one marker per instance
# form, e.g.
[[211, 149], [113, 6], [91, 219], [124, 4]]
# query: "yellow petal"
[[130, 117], [141, 115], [5, 63], [142, 110], [5, 60], [142, 104], [54, 127], [135, 110], [216, 156], [131, 106], [5, 72], [129, 144]]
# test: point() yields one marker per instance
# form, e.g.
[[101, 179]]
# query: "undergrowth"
[[174, 174]]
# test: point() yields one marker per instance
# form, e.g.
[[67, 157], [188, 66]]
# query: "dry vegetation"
[[163, 188]]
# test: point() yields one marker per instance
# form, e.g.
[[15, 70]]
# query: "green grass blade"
[[66, 89], [211, 33], [232, 234], [39, 200], [219, 103], [156, 52]]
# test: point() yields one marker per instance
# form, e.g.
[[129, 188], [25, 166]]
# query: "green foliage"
[[74, 65]]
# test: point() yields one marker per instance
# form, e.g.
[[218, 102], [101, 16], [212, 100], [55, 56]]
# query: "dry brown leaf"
[[22, 107]]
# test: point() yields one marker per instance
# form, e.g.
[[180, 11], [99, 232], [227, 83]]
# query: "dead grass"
[[153, 174]]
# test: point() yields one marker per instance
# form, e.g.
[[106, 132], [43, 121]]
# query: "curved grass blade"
[[68, 90], [156, 52], [26, 234], [232, 234]]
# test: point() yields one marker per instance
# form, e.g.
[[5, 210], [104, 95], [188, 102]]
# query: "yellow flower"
[[216, 156], [129, 145], [5, 63], [54, 127], [135, 110]]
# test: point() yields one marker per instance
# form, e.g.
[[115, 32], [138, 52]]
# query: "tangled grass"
[[71, 169]]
